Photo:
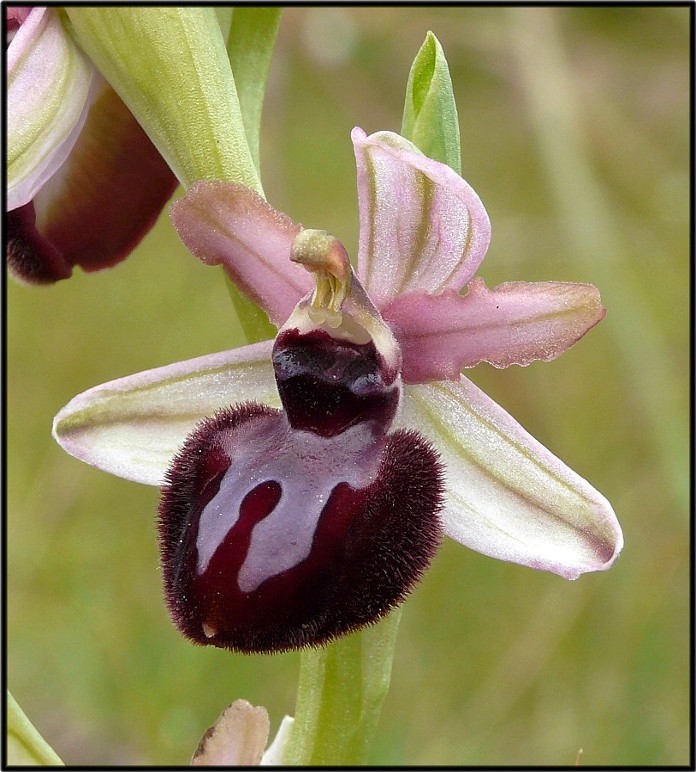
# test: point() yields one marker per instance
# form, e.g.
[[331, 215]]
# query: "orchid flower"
[[84, 182], [286, 528]]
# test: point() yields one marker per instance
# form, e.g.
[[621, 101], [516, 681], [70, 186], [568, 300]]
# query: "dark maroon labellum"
[[285, 529]]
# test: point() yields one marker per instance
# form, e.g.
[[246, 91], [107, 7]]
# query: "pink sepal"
[[42, 61], [228, 224]]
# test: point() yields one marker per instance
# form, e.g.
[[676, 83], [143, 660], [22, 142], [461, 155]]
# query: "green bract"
[[170, 66], [430, 113]]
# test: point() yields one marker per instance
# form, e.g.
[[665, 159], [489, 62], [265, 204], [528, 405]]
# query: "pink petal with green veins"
[[98, 205], [48, 86], [226, 224], [132, 427], [507, 495], [422, 227], [513, 324]]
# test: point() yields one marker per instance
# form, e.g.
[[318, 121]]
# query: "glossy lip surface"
[[328, 385], [274, 538]]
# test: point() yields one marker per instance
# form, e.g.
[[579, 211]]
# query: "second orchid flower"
[[84, 182]]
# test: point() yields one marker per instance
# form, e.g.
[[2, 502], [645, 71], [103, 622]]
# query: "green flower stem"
[[252, 319], [250, 48], [170, 67], [25, 746], [339, 697]]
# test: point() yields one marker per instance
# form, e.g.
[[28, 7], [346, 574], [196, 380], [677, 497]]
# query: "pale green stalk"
[[339, 697], [252, 319], [250, 48]]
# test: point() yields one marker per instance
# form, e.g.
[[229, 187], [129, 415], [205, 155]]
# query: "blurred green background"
[[575, 134]]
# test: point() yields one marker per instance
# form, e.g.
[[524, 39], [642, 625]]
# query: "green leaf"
[[430, 113], [170, 66], [339, 697], [250, 48], [25, 746]]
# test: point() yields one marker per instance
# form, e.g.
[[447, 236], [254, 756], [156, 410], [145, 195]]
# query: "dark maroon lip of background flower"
[[30, 257], [99, 204], [369, 545]]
